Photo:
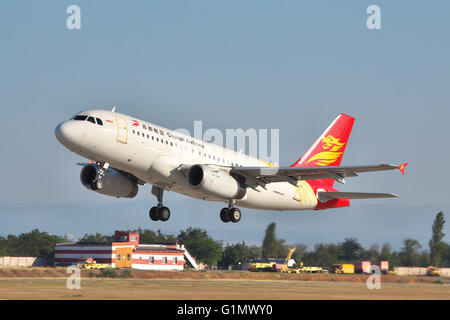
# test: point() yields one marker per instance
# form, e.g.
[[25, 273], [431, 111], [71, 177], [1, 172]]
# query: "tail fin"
[[329, 148]]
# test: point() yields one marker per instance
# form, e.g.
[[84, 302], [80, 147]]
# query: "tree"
[[254, 252], [370, 254], [351, 250], [148, 236], [201, 245], [272, 247], [386, 254], [323, 255], [33, 244], [436, 244], [234, 254], [409, 256], [3, 246], [446, 255], [95, 238]]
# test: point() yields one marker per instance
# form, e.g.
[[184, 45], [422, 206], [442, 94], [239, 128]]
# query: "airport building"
[[127, 252]]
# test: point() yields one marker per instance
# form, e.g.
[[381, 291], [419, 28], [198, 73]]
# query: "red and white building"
[[126, 252]]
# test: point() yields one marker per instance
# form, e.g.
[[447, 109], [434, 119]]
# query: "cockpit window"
[[80, 118], [99, 121], [91, 119]]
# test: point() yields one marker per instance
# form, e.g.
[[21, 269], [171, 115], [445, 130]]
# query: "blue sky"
[[291, 65]]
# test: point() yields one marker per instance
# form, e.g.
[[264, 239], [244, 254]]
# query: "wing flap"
[[325, 196], [287, 174]]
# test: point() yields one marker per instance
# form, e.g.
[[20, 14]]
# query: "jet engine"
[[215, 182], [114, 183]]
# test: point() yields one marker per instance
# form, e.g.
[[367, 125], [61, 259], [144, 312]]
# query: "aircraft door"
[[122, 129]]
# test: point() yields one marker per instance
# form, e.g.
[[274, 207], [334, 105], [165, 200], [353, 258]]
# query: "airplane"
[[126, 152]]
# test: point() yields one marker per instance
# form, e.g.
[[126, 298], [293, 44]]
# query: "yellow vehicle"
[[262, 265], [433, 271], [312, 270], [92, 264], [302, 269], [342, 268]]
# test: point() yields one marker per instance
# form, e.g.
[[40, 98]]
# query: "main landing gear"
[[230, 213], [159, 212], [97, 183]]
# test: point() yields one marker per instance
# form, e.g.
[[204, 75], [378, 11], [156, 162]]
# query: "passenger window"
[[80, 118], [153, 137], [138, 133], [91, 119], [99, 121], [157, 139]]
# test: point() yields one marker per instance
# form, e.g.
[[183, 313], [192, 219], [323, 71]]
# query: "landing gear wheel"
[[163, 213], [235, 215], [153, 214], [159, 212], [225, 215]]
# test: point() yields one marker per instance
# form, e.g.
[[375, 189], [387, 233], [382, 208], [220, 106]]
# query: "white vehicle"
[[127, 152]]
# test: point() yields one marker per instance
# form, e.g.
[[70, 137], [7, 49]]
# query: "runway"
[[203, 289]]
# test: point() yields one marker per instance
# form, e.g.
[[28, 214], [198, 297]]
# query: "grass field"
[[50, 283]]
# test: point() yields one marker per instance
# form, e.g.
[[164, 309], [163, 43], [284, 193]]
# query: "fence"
[[25, 262], [416, 271]]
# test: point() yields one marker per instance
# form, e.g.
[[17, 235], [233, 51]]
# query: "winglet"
[[402, 167]]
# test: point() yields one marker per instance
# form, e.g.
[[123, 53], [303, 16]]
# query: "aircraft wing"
[[263, 175]]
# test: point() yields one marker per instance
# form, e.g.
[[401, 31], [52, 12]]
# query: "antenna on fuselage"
[[113, 109]]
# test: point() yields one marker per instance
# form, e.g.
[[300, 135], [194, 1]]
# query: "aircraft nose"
[[64, 133]]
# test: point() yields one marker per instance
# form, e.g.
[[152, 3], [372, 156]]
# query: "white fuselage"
[[155, 154]]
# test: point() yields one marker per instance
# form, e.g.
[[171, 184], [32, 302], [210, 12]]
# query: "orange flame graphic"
[[328, 157]]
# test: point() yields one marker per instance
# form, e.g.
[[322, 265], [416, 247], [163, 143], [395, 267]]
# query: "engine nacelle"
[[214, 182], [115, 184]]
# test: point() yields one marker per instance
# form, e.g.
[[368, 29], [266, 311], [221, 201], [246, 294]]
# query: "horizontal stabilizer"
[[325, 196]]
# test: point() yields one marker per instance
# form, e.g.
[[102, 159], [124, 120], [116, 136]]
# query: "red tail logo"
[[329, 148]]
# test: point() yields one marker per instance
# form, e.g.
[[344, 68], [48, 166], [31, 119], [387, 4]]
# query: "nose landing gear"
[[97, 183]]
